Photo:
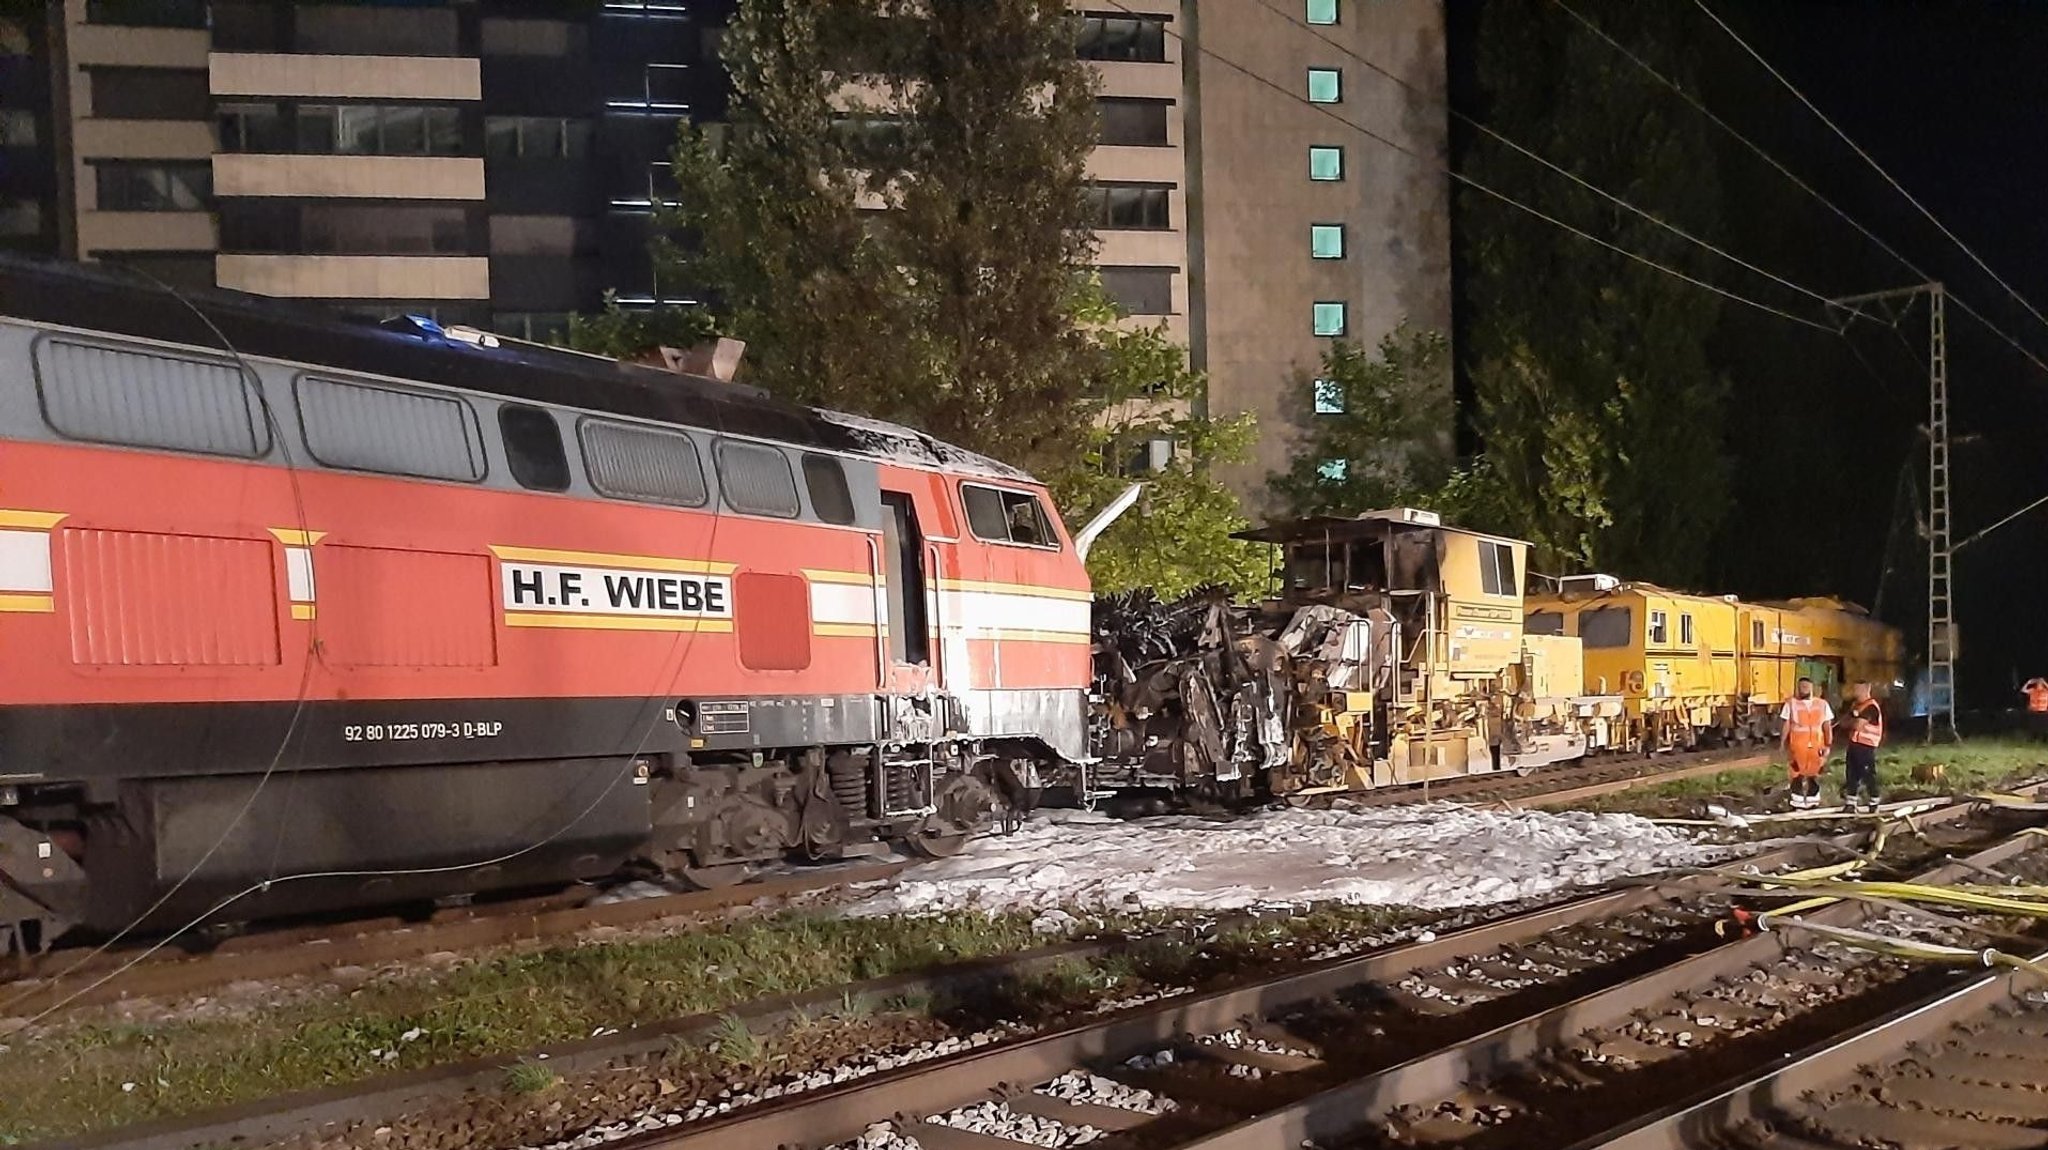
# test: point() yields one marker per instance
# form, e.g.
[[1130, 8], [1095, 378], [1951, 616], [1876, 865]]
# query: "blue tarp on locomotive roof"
[[101, 298]]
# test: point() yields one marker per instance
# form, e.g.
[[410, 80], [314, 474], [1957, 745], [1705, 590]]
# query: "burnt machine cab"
[[1459, 592]]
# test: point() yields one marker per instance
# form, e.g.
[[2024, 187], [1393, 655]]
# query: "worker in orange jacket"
[[2036, 692], [1866, 735], [1809, 732]]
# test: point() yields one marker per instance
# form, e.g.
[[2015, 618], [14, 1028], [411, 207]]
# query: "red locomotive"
[[320, 614]]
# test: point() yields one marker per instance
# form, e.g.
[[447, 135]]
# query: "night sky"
[[1949, 97]]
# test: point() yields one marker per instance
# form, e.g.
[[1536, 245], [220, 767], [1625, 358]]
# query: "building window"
[[374, 130], [1325, 85], [1133, 123], [1329, 397], [147, 13], [150, 94], [1130, 39], [252, 127], [20, 218], [536, 138], [334, 228], [1140, 291], [17, 128], [1330, 317], [1326, 241], [174, 187], [1326, 162], [1130, 207], [502, 36], [1322, 11], [1333, 470]]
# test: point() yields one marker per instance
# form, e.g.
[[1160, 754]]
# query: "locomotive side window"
[[533, 448], [1660, 628], [1685, 631], [1544, 623], [757, 480], [1607, 626], [830, 496], [146, 399], [1756, 633], [1497, 569], [643, 464], [362, 427], [998, 516]]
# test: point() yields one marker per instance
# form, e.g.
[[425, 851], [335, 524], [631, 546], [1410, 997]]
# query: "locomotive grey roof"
[[108, 300]]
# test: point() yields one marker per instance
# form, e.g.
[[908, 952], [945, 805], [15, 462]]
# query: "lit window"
[[1333, 470], [1329, 318], [1322, 11], [1326, 241], [1326, 163], [1329, 397], [1325, 85]]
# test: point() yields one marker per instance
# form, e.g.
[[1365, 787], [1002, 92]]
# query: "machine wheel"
[[964, 806], [934, 844]]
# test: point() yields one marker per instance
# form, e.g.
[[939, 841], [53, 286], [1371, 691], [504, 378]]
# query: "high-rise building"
[[496, 162]]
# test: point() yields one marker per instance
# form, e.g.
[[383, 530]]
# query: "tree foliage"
[[951, 310], [628, 333], [1141, 390], [1375, 424], [1598, 406]]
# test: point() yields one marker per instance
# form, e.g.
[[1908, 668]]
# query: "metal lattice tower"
[[1941, 623]]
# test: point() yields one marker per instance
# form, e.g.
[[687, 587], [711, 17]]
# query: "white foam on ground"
[[1432, 855]]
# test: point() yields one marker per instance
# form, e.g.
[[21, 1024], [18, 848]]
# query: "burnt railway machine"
[[324, 614]]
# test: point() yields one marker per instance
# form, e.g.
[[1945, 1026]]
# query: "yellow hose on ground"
[[1915, 950]]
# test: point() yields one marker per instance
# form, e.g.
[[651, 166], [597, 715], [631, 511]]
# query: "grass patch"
[[95, 1075], [525, 1077]]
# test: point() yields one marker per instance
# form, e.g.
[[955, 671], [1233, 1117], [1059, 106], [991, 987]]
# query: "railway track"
[[74, 977], [1382, 1048]]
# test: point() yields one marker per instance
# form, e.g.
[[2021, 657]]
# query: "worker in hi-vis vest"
[[1809, 732], [2036, 692], [1866, 735]]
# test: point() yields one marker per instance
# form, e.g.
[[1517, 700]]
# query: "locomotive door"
[[907, 583]]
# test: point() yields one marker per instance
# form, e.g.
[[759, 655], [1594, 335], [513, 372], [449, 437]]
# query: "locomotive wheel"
[[935, 844], [713, 877], [966, 805]]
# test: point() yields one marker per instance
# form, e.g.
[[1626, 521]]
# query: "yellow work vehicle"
[[1699, 669]]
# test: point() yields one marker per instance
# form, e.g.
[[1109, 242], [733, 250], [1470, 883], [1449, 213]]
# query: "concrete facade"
[[1257, 283]]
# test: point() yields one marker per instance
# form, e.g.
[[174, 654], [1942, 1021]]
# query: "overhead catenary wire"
[[1779, 166], [1871, 160], [1481, 187], [1501, 138]]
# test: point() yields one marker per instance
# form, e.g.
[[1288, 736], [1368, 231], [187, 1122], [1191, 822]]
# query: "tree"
[[1141, 392], [628, 333], [914, 253], [1375, 427], [1600, 411]]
